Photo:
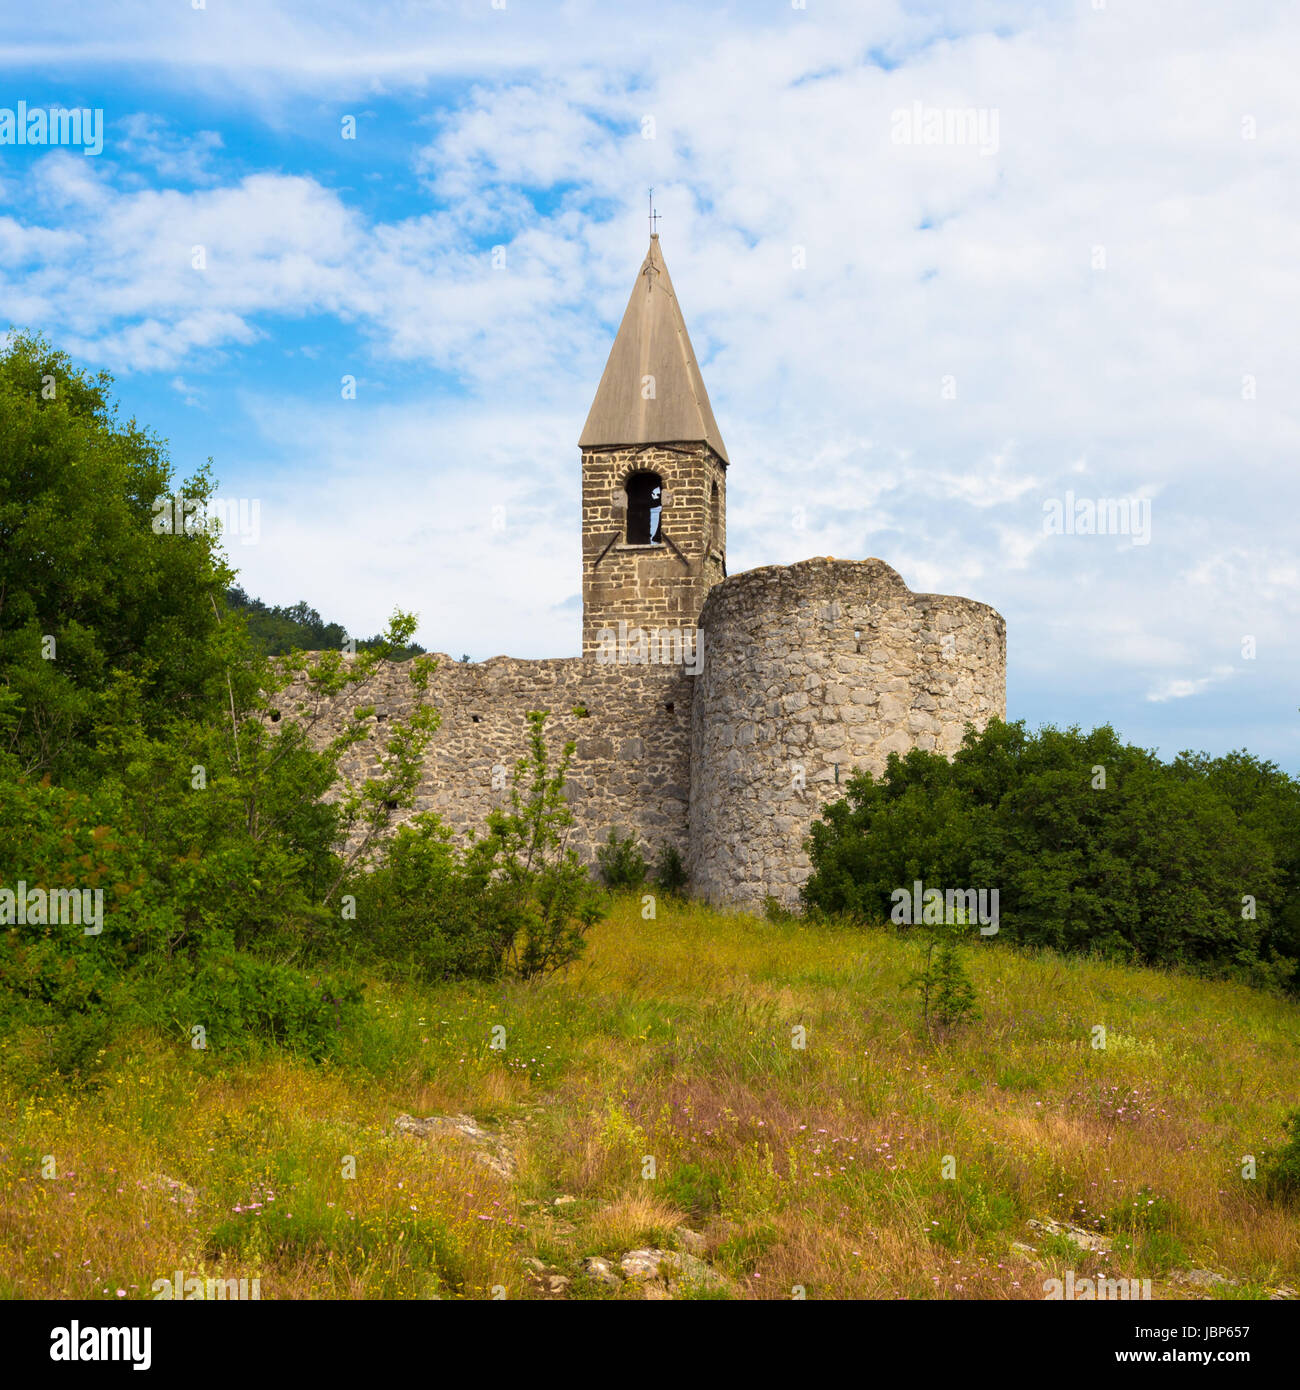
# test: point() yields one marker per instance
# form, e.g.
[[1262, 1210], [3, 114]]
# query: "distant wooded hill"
[[298, 627]]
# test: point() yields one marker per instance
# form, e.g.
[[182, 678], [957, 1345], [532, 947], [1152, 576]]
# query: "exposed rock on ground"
[[488, 1148], [599, 1270], [1085, 1240], [1200, 1278], [673, 1268], [1203, 1280], [690, 1240], [655, 1274]]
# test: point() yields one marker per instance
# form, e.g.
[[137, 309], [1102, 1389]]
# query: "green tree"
[[143, 753], [93, 599], [277, 630]]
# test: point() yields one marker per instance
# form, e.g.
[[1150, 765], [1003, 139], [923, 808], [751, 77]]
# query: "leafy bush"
[[670, 872], [430, 912], [621, 863], [1280, 1168], [515, 902], [1093, 845], [538, 879], [239, 1000], [170, 920], [774, 910], [57, 1010]]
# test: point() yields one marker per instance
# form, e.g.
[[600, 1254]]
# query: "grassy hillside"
[[819, 1167]]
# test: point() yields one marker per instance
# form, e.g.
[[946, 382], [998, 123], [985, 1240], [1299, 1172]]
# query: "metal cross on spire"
[[654, 216]]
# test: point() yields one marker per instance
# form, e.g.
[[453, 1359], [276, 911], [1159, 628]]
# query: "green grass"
[[819, 1167]]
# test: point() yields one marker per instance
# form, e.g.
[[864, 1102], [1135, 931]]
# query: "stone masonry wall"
[[810, 671], [631, 768], [650, 586]]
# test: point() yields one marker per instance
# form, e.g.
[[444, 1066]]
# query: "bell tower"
[[654, 475]]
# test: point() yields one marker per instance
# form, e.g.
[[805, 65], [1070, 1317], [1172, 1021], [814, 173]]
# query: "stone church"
[[716, 713]]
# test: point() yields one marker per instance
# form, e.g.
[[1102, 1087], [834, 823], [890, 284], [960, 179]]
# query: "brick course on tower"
[[715, 714]]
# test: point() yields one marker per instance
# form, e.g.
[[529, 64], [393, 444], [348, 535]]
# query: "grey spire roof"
[[652, 341]]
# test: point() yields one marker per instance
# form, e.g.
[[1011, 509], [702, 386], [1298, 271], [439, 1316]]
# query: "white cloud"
[[453, 528], [146, 138], [190, 394], [1119, 129], [1183, 689]]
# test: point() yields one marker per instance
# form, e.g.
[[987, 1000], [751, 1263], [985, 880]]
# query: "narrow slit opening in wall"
[[669, 707], [476, 718]]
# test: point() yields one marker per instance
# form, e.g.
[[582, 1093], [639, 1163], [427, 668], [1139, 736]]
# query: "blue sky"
[[912, 348]]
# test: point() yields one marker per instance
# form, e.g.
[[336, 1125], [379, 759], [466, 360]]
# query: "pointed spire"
[[652, 342]]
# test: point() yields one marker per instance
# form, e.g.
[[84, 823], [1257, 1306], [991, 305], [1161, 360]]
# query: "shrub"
[[198, 837], [536, 879], [517, 901], [240, 1001], [670, 872], [423, 913], [1280, 1168], [774, 910], [1093, 845], [947, 991], [621, 863], [57, 1010]]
